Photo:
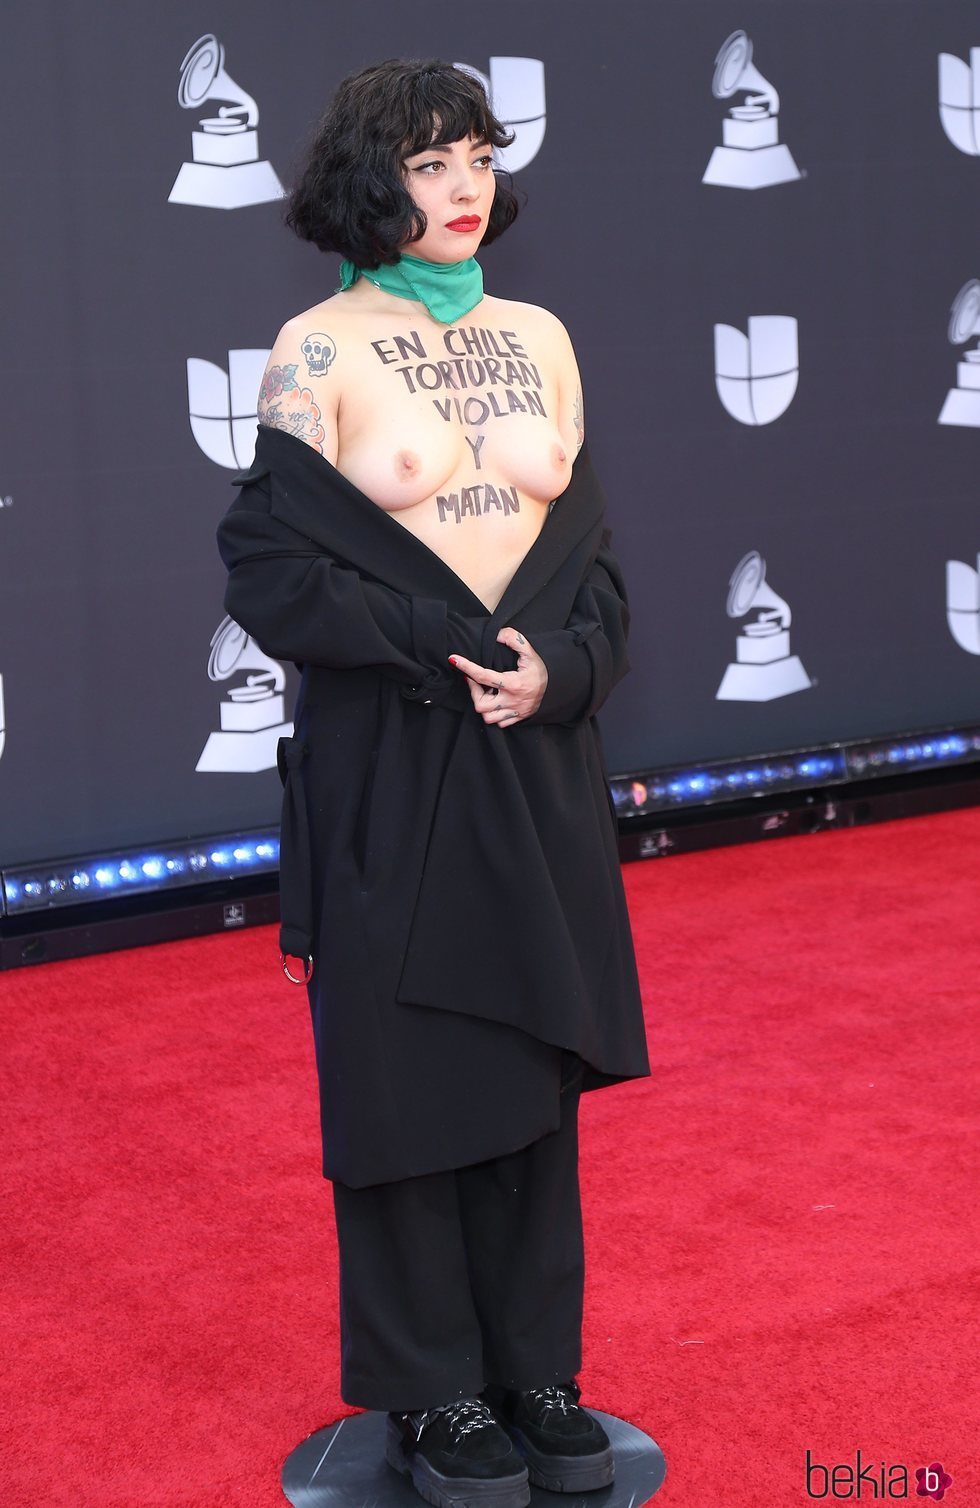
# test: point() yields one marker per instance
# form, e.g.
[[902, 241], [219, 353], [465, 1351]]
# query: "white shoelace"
[[464, 1417], [556, 1397]]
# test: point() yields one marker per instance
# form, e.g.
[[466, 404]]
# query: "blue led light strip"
[[70, 882], [167, 866], [639, 794]]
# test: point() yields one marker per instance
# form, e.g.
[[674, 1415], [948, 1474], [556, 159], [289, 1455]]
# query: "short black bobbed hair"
[[351, 197]]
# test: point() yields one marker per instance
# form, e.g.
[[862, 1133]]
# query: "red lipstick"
[[464, 223]]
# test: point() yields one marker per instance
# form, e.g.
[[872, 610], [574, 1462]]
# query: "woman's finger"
[[500, 714], [492, 680], [515, 640], [476, 672]]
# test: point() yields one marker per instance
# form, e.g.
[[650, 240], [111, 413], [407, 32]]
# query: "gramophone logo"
[[225, 172], [963, 604], [959, 100], [756, 374], [763, 668], [751, 155], [962, 405], [223, 406], [515, 89], [252, 712]]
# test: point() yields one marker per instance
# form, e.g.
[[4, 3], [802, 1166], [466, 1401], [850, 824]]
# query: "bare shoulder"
[[310, 339], [532, 317]]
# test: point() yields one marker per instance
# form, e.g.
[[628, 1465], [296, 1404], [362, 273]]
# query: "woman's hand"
[[506, 696]]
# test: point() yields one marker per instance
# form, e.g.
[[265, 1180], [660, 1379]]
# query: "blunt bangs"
[[448, 106]]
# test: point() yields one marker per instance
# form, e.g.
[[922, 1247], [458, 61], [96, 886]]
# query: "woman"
[[422, 533]]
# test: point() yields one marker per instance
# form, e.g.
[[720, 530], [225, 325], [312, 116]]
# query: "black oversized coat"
[[457, 884]]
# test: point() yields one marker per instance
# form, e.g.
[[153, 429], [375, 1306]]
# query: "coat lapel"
[[314, 498], [577, 512]]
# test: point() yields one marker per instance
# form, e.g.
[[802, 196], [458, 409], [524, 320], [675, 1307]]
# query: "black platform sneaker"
[[566, 1449], [457, 1455]]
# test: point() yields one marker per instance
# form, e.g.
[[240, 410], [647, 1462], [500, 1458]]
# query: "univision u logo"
[[756, 374], [222, 406], [963, 604], [959, 100], [515, 88]]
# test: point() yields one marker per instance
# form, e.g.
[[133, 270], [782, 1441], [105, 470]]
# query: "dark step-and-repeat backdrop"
[[760, 223]]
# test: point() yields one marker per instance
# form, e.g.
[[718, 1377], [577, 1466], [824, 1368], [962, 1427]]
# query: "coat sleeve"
[[587, 657], [300, 604]]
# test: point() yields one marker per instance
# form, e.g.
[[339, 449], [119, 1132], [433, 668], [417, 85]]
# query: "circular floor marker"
[[343, 1466]]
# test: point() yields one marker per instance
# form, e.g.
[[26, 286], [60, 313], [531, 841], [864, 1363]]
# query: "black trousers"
[[452, 1280]]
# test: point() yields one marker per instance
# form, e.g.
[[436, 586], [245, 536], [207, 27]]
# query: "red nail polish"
[[452, 659]]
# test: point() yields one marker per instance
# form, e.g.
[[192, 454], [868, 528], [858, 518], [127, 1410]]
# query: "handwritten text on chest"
[[476, 358]]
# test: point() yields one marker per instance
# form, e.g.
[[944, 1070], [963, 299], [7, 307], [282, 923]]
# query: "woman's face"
[[454, 187]]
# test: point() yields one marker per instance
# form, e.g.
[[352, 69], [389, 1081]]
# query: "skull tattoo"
[[319, 351]]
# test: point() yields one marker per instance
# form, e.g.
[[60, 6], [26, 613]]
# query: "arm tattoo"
[[579, 419], [319, 351], [283, 404]]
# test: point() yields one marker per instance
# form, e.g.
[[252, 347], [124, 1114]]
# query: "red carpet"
[[782, 1224]]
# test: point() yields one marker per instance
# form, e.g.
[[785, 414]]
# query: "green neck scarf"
[[447, 289]]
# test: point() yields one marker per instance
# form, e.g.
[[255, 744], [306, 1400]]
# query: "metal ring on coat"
[[307, 970]]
